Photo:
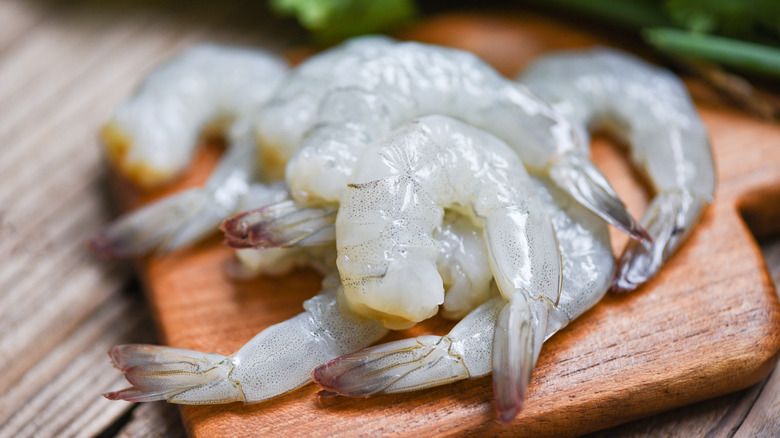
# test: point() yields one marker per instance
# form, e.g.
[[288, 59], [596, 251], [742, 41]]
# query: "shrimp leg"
[[276, 361], [650, 110], [587, 264]]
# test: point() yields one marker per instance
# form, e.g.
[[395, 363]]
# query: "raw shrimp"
[[152, 136], [388, 252], [354, 94], [465, 352], [649, 109], [371, 94], [274, 362], [281, 357], [203, 85], [396, 197]]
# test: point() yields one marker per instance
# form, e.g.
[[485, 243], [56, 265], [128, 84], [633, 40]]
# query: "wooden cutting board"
[[707, 325]]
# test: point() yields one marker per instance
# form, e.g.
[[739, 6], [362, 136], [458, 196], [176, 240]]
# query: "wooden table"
[[63, 66]]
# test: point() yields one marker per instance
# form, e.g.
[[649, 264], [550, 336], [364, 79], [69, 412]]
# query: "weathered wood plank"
[[763, 419], [59, 395], [154, 420], [63, 66]]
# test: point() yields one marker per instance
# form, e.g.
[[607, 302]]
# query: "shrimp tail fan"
[[281, 225], [174, 374], [162, 226], [576, 175], [517, 342], [669, 219]]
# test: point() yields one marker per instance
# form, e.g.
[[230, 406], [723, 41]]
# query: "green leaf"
[[334, 20]]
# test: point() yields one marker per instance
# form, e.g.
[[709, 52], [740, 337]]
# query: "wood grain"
[[64, 64], [707, 325]]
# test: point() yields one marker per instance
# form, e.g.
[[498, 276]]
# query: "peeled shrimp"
[[283, 122], [465, 352], [396, 198], [208, 84], [356, 93], [394, 201], [649, 109], [274, 362], [375, 92], [387, 253], [281, 358], [152, 136]]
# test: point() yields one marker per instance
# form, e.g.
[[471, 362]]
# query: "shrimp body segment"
[[396, 198], [284, 121], [151, 136], [407, 365], [648, 109]]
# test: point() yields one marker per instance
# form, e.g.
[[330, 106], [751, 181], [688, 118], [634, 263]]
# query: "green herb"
[[740, 34], [333, 20], [737, 18], [743, 35], [742, 55]]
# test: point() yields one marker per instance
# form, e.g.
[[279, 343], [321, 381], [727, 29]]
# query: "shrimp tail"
[[174, 374], [416, 363], [669, 219], [517, 341], [400, 366], [281, 225], [163, 226], [576, 175], [274, 362]]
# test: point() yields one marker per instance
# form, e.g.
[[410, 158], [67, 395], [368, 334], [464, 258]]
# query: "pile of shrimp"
[[417, 180]]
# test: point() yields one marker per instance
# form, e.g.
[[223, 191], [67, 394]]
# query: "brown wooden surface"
[[707, 325], [64, 64]]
